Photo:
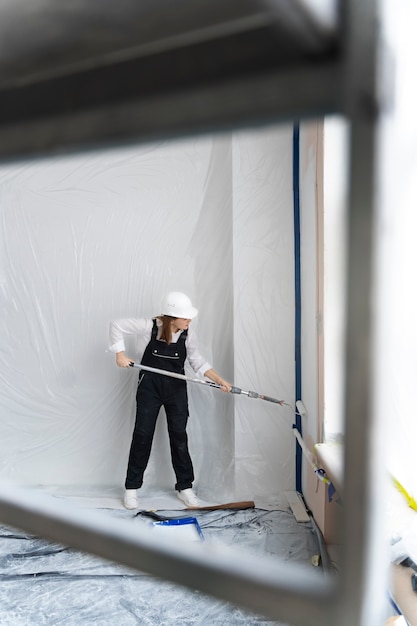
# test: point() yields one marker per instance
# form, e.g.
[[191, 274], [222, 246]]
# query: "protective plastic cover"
[[92, 237], [43, 583]]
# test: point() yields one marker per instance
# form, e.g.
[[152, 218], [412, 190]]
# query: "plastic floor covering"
[[44, 583]]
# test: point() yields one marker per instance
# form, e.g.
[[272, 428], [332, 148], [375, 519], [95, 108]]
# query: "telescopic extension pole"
[[207, 383]]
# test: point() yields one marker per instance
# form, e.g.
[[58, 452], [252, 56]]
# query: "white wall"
[[92, 237], [313, 320], [264, 309], [310, 305], [395, 293]]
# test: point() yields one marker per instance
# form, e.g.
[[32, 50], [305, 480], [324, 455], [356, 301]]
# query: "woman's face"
[[180, 323]]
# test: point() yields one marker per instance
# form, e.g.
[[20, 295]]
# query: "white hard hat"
[[177, 304]]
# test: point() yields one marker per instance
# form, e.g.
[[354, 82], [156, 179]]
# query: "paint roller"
[[207, 383]]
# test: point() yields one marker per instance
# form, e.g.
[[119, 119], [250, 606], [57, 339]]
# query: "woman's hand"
[[122, 360], [224, 385], [214, 376]]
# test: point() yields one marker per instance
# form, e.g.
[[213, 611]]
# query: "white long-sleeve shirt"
[[142, 328]]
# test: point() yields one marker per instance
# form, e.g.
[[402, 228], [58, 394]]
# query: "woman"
[[170, 341]]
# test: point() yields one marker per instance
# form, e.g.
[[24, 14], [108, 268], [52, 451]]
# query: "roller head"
[[301, 408]]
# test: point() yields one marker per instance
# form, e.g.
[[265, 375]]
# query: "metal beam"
[[256, 99], [364, 563], [46, 38], [114, 95], [85, 75]]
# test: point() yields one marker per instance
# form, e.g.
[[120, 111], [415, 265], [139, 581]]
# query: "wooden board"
[[297, 506], [246, 504]]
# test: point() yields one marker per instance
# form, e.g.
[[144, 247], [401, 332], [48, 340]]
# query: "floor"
[[50, 584]]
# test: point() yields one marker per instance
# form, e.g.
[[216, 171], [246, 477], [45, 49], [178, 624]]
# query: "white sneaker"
[[130, 499], [188, 497]]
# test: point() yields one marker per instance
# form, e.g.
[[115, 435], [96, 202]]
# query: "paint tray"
[[183, 529]]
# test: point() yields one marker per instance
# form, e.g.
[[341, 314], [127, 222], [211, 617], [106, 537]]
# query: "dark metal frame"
[[90, 74]]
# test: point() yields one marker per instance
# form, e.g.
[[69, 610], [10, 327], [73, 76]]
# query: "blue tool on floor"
[[188, 527]]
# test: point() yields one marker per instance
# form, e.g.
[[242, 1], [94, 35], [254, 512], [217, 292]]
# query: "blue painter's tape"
[[297, 290]]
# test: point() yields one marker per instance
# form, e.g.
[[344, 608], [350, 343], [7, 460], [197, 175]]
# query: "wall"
[[96, 236], [311, 314], [264, 309], [312, 296]]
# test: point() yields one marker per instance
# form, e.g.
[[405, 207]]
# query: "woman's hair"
[[166, 329]]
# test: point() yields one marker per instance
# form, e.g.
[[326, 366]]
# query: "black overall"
[[154, 391]]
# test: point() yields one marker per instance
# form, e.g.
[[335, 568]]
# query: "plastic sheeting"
[[43, 583], [88, 238]]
